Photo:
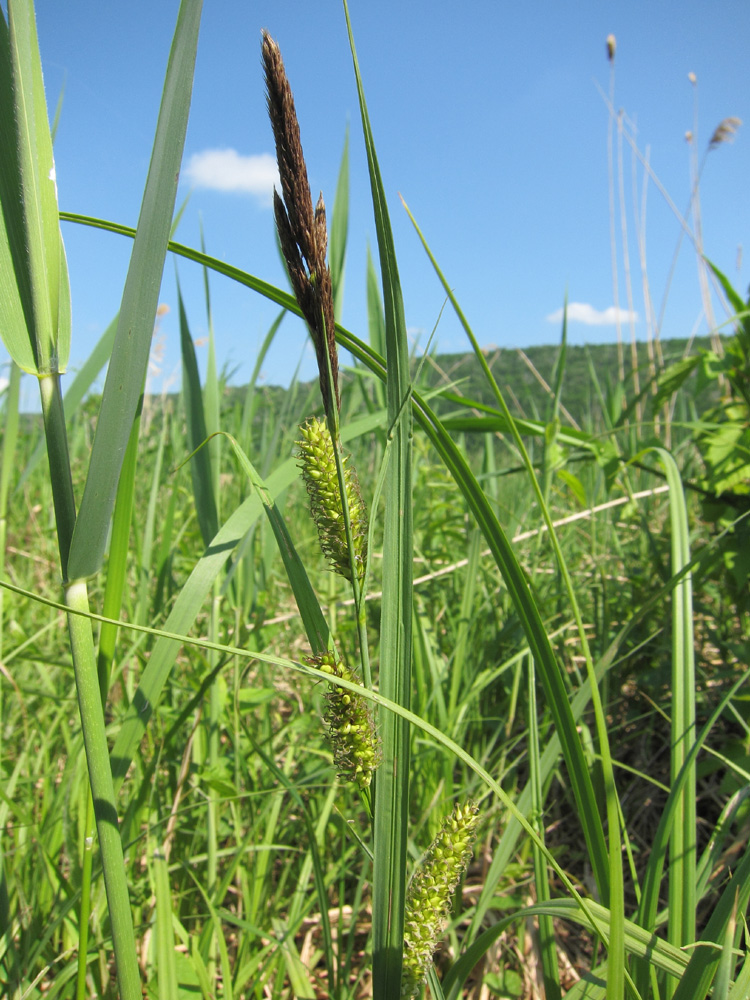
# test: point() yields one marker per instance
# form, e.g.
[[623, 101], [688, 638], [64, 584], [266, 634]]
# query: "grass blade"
[[34, 288], [392, 782], [195, 419], [127, 367], [340, 231]]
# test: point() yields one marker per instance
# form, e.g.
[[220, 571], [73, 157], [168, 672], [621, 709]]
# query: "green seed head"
[[428, 898], [351, 730], [318, 465]]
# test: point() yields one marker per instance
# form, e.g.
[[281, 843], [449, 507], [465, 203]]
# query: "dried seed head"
[[302, 231], [318, 465], [611, 47], [289, 155], [428, 897], [351, 730], [321, 233], [725, 131]]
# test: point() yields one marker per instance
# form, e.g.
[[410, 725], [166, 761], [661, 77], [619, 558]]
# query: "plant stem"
[[90, 699], [102, 790], [85, 910], [59, 464]]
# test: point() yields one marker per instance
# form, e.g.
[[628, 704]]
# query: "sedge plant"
[[204, 726]]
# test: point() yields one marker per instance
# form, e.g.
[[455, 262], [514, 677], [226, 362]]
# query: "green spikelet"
[[428, 898], [318, 465], [351, 730]]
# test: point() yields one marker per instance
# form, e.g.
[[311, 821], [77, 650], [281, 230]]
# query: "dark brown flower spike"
[[302, 230]]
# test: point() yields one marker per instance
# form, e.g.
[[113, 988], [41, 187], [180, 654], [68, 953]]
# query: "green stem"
[[212, 817], [89, 698], [85, 911], [102, 790]]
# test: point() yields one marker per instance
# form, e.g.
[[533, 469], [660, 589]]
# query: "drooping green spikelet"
[[351, 730], [428, 898], [318, 464]]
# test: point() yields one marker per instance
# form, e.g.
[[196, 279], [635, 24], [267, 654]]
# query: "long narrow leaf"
[[392, 782], [127, 367], [34, 287], [195, 419]]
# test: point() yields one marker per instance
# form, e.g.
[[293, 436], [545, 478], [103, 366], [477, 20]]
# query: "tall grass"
[[538, 629]]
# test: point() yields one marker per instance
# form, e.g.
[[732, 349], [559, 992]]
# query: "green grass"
[[543, 629]]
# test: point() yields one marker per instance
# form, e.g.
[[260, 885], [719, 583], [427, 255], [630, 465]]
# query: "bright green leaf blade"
[[127, 367], [339, 231], [195, 421], [34, 288], [392, 781], [637, 941]]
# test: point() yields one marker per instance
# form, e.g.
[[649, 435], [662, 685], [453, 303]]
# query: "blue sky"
[[491, 123]]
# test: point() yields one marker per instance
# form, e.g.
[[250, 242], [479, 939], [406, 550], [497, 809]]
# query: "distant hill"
[[525, 377]]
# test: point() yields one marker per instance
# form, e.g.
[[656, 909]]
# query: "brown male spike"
[[302, 230]]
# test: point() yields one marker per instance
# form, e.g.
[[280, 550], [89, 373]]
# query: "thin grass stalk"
[[626, 267], [695, 206], [7, 468], [547, 941], [639, 212], [611, 49]]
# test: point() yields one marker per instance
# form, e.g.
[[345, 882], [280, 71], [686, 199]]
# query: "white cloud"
[[582, 312], [228, 170]]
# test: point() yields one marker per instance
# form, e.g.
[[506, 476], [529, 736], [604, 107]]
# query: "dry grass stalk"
[[302, 230]]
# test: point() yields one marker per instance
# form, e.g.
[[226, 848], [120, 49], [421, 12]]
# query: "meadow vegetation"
[[487, 703]]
